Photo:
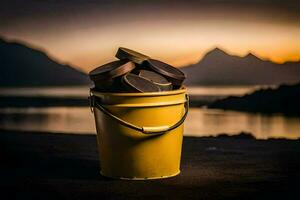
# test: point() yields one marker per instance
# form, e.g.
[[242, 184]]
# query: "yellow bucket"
[[140, 135]]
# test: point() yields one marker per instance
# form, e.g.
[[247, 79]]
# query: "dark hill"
[[219, 68], [21, 66], [284, 99]]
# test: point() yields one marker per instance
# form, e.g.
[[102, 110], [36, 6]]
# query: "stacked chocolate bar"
[[136, 72]]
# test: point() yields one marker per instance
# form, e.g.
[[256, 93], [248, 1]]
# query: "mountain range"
[[219, 68], [22, 66]]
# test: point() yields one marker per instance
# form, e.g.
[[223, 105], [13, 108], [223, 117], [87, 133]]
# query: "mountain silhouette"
[[22, 66], [219, 68], [284, 99]]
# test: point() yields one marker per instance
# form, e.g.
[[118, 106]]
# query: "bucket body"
[[150, 153]]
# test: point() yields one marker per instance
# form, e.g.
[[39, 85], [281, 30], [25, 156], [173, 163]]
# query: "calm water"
[[200, 122]]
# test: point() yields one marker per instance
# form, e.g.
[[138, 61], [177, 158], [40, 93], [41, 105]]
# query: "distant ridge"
[[22, 66], [284, 99], [219, 68]]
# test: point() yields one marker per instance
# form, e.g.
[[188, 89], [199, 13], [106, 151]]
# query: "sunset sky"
[[87, 33]]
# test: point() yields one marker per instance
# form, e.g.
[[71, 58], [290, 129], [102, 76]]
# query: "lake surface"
[[200, 121]]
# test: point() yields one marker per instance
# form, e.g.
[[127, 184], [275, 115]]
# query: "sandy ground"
[[57, 166]]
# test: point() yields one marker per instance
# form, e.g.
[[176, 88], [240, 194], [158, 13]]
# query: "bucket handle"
[[158, 130]]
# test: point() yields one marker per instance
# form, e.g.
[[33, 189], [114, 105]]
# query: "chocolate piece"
[[135, 83], [174, 75], [136, 57], [106, 76], [111, 70], [157, 79]]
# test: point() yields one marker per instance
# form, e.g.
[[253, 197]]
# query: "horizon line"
[[81, 68]]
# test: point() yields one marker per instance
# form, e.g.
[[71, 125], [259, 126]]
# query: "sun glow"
[[179, 38]]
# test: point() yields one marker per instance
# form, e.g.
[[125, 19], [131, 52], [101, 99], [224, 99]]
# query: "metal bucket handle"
[[146, 130]]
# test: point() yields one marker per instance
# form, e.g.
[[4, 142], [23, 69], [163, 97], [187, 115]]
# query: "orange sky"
[[176, 35]]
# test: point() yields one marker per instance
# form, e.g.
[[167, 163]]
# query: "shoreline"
[[240, 135], [42, 101], [282, 99]]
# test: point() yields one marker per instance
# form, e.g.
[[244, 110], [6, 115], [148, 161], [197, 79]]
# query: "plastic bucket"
[[140, 135]]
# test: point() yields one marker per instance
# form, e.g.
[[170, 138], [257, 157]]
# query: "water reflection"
[[60, 119], [200, 122], [213, 122]]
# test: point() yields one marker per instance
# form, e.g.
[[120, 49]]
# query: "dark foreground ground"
[[57, 166]]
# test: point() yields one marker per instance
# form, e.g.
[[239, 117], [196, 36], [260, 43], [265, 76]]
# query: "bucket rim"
[[182, 90]]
